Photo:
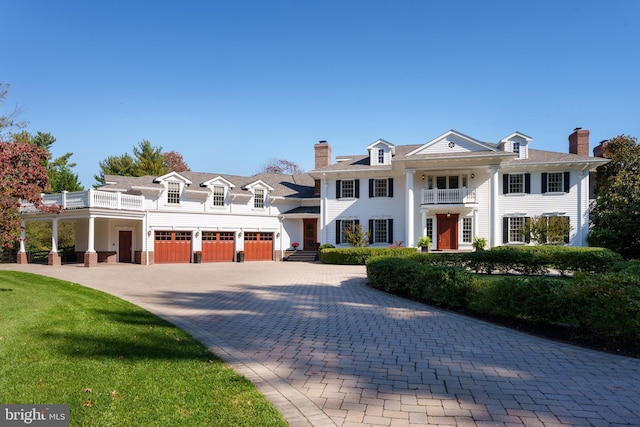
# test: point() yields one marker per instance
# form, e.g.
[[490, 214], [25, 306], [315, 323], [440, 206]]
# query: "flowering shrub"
[[295, 245]]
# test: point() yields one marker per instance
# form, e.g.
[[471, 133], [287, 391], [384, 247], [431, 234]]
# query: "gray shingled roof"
[[288, 186]]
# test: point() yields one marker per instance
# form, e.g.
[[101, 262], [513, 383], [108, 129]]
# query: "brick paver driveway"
[[327, 350]]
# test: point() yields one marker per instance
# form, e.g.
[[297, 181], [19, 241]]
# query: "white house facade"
[[452, 188]]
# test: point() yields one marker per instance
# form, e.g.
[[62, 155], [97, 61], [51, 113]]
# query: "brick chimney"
[[579, 142], [598, 150], [323, 154]]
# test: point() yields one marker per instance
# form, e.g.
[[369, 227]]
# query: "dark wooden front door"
[[310, 234], [124, 246], [447, 231]]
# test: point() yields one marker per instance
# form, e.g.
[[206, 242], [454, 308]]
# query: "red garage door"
[[217, 246], [258, 246], [172, 247]]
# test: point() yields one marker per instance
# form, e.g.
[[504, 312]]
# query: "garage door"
[[218, 246], [258, 246], [172, 247]]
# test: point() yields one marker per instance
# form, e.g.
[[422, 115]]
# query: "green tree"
[[356, 236], [146, 160], [548, 230], [615, 219]]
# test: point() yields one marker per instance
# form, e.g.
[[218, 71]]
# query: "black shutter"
[[527, 237], [338, 230], [371, 182], [505, 183], [373, 239], [390, 231], [527, 183], [338, 188], [390, 187], [505, 230], [567, 184], [357, 188], [544, 182]]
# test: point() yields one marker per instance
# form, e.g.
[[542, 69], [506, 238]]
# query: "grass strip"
[[112, 362]]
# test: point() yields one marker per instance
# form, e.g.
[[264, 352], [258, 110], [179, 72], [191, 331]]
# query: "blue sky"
[[233, 84]]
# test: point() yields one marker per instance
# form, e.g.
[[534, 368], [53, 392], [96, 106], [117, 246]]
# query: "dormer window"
[[380, 156], [258, 198], [516, 147], [173, 193], [218, 195]]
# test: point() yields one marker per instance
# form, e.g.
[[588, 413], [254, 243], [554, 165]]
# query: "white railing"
[[90, 199], [449, 196]]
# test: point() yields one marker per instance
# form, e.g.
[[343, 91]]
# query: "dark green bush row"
[[602, 305], [532, 260], [527, 260], [359, 256], [441, 285]]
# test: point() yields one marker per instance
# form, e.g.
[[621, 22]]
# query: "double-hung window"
[[258, 198], [381, 187], [381, 230], [348, 188], [555, 182], [514, 229], [517, 183], [218, 195], [173, 193]]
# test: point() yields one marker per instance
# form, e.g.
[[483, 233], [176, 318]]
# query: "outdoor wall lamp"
[[448, 214], [149, 233], [197, 233], [472, 176], [422, 177]]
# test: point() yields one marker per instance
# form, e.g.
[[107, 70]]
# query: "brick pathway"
[[327, 350]]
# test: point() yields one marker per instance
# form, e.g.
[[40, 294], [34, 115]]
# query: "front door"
[[124, 246], [447, 232], [310, 234]]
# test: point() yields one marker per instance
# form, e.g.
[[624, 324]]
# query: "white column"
[[91, 242], [23, 235], [410, 238], [54, 235], [494, 211], [423, 224], [474, 232]]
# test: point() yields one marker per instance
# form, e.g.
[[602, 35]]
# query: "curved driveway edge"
[[327, 350]]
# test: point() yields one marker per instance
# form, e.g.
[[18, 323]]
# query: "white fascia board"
[[176, 175]]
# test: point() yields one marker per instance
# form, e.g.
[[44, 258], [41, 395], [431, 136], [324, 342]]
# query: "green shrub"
[[442, 285], [608, 304], [392, 274], [359, 256], [325, 246], [534, 299]]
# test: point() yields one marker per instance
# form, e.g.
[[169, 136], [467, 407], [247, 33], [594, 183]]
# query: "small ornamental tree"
[[355, 236], [548, 230], [23, 177]]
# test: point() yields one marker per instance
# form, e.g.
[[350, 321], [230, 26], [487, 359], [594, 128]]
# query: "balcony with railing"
[[449, 196], [90, 199]]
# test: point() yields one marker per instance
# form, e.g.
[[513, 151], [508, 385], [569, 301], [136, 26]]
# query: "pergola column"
[[54, 257], [22, 253], [91, 256]]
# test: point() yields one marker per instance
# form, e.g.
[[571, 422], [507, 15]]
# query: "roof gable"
[[257, 184], [174, 177], [219, 180], [452, 142]]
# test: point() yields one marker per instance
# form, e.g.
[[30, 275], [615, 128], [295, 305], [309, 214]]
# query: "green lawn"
[[113, 363]]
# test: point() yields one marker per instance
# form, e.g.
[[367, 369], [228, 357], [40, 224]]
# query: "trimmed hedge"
[[605, 305], [536, 260], [359, 256], [440, 285]]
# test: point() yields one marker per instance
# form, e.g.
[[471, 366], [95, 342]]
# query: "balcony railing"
[[440, 196], [90, 199]]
